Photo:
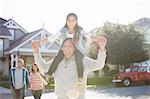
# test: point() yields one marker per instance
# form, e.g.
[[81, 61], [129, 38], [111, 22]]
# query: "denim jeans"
[[18, 93]]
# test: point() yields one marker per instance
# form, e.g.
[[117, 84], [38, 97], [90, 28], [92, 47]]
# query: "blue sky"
[[31, 14]]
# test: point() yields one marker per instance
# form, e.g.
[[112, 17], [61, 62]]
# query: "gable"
[[24, 43], [53, 45], [13, 25]]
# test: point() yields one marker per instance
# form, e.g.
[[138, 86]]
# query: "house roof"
[[22, 39], [142, 22], [4, 31], [2, 21], [20, 27]]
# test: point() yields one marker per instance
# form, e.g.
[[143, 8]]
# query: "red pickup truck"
[[133, 75]]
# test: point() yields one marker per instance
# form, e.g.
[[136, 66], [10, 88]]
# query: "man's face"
[[68, 49], [20, 63]]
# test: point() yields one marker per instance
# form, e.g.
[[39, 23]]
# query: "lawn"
[[104, 81]]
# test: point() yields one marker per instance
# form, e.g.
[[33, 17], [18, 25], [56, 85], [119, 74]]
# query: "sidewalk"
[[5, 93]]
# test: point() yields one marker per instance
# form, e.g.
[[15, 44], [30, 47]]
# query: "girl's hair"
[[77, 28], [32, 70]]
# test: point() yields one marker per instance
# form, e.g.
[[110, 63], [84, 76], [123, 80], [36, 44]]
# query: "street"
[[134, 92]]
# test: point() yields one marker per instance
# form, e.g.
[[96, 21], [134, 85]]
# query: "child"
[[37, 82]]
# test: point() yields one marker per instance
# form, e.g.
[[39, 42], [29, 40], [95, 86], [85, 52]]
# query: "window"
[[1, 47], [135, 69], [12, 34], [143, 69], [29, 61], [14, 63]]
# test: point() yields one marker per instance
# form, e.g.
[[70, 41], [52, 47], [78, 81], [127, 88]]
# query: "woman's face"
[[68, 49], [35, 68], [71, 21]]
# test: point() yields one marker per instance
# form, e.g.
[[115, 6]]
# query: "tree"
[[125, 44]]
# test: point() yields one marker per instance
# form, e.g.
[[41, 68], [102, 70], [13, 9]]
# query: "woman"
[[70, 30], [66, 81], [37, 82]]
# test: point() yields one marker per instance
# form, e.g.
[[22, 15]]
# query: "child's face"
[[71, 21], [35, 68]]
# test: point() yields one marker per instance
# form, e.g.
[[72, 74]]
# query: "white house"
[[15, 42]]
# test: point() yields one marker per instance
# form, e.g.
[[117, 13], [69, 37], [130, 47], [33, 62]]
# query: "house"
[[15, 42]]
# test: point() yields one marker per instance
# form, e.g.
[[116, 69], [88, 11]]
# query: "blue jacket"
[[25, 77]]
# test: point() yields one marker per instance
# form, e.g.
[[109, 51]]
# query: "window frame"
[[2, 50]]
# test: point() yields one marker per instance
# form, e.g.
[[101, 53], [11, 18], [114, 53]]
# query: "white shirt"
[[18, 78], [80, 45], [65, 78]]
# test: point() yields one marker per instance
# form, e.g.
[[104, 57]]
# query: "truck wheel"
[[126, 82]]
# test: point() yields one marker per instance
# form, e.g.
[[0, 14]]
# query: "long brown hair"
[[77, 28], [32, 70]]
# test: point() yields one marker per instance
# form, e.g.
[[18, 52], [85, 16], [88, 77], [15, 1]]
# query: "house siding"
[[4, 66]]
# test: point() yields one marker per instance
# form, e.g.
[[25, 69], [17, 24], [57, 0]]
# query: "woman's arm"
[[93, 65], [42, 64]]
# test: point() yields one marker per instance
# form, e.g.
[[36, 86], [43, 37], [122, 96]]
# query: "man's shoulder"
[[25, 69]]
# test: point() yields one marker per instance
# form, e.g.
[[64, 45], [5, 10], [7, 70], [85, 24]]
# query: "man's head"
[[20, 62], [68, 48]]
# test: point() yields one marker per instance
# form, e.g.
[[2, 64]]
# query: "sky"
[[34, 14]]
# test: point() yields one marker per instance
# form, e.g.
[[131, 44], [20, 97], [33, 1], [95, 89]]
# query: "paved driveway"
[[138, 92]]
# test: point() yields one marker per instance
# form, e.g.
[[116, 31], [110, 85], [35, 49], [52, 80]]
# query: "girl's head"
[[34, 68], [71, 20], [72, 23]]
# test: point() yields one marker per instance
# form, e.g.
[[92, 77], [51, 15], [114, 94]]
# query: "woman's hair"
[[77, 28], [71, 40], [32, 70], [78, 57]]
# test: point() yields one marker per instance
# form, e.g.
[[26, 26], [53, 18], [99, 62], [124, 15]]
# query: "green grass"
[[6, 85], [100, 81], [104, 81]]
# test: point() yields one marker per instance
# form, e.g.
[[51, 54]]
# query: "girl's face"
[[35, 68], [71, 21]]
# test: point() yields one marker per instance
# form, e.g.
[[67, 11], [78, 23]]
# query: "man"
[[19, 79], [67, 84]]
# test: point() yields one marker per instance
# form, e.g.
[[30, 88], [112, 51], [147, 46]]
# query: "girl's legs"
[[37, 94]]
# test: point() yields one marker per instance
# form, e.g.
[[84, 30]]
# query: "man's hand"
[[101, 40]]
